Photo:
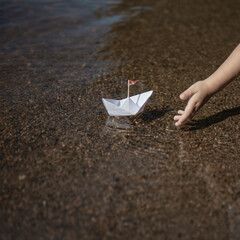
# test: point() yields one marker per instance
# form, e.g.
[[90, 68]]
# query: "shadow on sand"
[[152, 115], [211, 120]]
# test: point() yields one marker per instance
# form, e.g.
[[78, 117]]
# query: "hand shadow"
[[216, 118]]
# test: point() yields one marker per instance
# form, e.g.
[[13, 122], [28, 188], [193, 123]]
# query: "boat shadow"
[[211, 120], [152, 114]]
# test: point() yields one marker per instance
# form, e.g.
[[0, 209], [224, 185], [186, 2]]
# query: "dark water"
[[67, 170], [55, 37]]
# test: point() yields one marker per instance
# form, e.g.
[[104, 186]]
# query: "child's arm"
[[201, 91]]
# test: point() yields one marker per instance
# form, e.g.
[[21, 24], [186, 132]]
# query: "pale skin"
[[200, 92]]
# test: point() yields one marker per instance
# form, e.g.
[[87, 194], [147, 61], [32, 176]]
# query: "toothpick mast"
[[130, 83]]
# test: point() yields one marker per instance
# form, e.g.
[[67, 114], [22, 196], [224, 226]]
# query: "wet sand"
[[68, 171]]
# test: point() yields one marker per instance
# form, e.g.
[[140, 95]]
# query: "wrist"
[[211, 85]]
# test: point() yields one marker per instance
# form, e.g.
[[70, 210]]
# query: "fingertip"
[[180, 112], [177, 124], [177, 117], [181, 121], [182, 96]]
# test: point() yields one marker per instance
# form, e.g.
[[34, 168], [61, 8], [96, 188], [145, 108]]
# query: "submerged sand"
[[68, 171]]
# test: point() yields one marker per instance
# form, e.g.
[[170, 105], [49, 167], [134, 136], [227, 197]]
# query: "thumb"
[[187, 93]]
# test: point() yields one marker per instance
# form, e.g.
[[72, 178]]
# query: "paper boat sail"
[[128, 106]]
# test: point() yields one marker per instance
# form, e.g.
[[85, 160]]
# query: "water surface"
[[69, 171]]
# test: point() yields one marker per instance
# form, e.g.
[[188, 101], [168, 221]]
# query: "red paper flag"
[[132, 82]]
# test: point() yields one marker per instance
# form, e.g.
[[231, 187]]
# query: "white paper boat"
[[128, 106]]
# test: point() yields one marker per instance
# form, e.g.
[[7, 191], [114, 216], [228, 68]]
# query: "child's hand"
[[197, 95], [201, 91]]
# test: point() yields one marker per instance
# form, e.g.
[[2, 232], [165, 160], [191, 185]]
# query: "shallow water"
[[69, 171]]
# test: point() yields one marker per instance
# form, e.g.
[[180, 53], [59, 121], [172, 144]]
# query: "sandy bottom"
[[68, 171]]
